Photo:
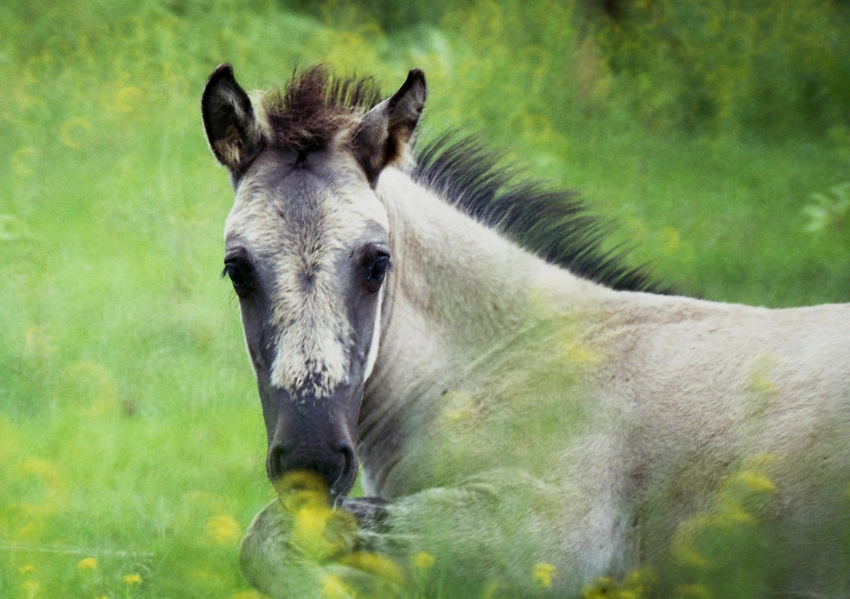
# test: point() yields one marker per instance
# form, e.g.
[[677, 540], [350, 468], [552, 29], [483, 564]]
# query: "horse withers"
[[529, 415]]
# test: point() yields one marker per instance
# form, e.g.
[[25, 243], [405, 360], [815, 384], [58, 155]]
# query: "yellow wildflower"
[[309, 532], [636, 585], [734, 513], [374, 563], [28, 569], [334, 588], [423, 560], [757, 482], [686, 540], [87, 563], [641, 580], [543, 573], [689, 554], [132, 579], [301, 484], [223, 530], [603, 588]]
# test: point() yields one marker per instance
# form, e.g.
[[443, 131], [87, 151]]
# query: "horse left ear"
[[387, 129], [232, 130]]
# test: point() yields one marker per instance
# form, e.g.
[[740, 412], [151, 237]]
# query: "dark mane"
[[314, 106], [554, 224]]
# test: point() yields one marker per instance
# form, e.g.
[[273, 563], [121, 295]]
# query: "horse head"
[[307, 249]]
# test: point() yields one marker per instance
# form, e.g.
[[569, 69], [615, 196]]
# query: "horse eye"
[[377, 271], [239, 276]]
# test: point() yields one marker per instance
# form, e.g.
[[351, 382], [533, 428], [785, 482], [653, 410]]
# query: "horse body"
[[507, 412], [650, 400]]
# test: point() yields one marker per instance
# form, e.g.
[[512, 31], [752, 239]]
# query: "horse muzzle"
[[312, 445]]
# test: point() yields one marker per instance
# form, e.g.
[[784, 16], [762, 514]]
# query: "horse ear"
[[232, 130], [387, 129]]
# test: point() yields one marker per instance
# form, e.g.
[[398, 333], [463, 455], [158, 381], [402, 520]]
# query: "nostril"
[[347, 472], [275, 461]]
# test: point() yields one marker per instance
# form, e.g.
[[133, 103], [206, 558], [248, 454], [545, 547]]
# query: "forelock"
[[315, 106]]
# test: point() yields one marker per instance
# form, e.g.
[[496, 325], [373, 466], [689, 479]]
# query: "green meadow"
[[716, 134]]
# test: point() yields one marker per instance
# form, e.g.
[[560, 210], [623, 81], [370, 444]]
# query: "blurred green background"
[[715, 132]]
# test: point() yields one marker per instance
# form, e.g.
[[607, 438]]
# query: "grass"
[[130, 432]]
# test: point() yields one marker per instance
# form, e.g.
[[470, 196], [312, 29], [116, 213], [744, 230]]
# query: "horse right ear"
[[386, 130], [232, 130]]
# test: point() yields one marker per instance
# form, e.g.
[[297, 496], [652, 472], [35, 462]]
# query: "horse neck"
[[457, 292]]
